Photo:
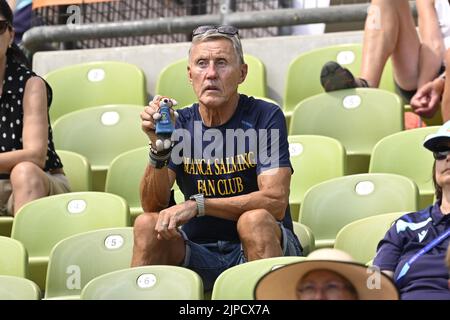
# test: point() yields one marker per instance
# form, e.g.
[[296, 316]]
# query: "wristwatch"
[[200, 200]]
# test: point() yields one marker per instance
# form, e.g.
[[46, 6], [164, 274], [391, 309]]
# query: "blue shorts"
[[209, 260]]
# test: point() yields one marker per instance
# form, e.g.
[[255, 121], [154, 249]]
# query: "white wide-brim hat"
[[281, 283]]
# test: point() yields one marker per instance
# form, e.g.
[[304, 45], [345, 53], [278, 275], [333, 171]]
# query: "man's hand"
[[426, 100], [151, 114], [171, 218]]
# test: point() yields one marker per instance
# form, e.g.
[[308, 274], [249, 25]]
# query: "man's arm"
[[156, 183], [273, 195], [155, 188], [432, 48], [35, 128]]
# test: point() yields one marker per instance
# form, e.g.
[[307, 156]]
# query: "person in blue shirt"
[[232, 164], [413, 250]]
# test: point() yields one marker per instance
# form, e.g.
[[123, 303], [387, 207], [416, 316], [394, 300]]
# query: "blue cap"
[[433, 141]]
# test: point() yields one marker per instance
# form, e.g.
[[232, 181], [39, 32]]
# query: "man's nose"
[[211, 70]]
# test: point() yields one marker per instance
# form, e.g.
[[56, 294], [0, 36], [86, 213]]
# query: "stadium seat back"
[[77, 170], [403, 153], [71, 264], [238, 282], [41, 223], [358, 118], [124, 177], [100, 134], [330, 205], [13, 258], [314, 159], [360, 238], [17, 288], [305, 236], [303, 75], [91, 84], [156, 282]]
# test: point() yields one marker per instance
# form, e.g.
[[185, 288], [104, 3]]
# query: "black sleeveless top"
[[11, 112]]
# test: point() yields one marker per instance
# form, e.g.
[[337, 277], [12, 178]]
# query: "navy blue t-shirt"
[[427, 277], [224, 161]]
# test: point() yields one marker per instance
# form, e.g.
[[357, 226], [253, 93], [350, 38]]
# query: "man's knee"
[[145, 224], [254, 220], [27, 173]]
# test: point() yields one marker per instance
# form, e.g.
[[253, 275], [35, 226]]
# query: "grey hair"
[[214, 34]]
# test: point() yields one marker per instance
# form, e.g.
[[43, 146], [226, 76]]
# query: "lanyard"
[[422, 251]]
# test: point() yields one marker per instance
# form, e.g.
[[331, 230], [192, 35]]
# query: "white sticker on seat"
[[114, 241], [351, 102], [110, 118], [146, 280], [96, 75], [76, 206], [295, 149], [364, 188], [345, 57]]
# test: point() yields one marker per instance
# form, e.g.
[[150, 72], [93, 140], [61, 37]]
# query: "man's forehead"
[[212, 47]]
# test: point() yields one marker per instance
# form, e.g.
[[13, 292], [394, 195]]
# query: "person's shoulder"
[[186, 114], [259, 106], [414, 220], [258, 102]]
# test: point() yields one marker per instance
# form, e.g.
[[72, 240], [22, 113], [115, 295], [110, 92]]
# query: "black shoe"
[[334, 77]]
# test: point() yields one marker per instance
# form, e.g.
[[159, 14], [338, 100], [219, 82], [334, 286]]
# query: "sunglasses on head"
[[441, 155], [3, 26], [229, 30]]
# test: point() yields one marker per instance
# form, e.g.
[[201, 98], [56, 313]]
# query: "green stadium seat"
[[360, 238], [314, 159], [71, 264], [305, 236], [160, 282], [403, 153], [16, 288], [91, 84], [77, 169], [238, 282], [100, 134], [41, 223], [13, 258], [303, 75], [124, 177], [330, 205], [358, 118]]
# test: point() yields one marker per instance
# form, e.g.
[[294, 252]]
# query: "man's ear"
[[189, 74], [244, 71]]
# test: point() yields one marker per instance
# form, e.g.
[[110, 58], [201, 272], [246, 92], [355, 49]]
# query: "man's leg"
[[260, 235], [148, 250], [29, 182], [390, 31]]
